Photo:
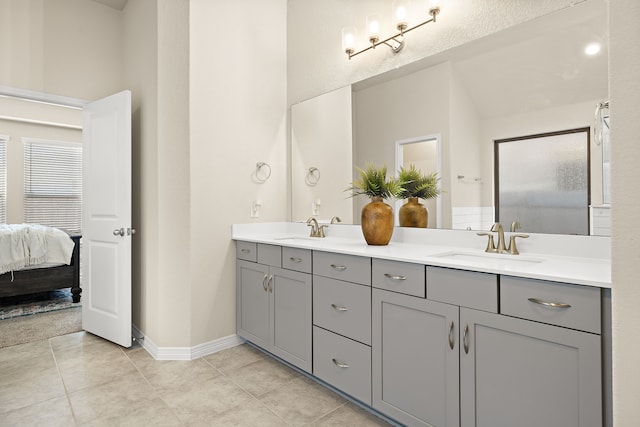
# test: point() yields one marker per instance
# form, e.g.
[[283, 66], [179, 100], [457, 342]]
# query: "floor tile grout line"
[[155, 390], [331, 411], [64, 385], [256, 398], [255, 401]]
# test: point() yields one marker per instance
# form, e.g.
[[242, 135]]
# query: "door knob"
[[131, 231], [118, 232]]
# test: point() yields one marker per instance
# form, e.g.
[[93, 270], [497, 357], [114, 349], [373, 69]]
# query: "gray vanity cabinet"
[[415, 359], [274, 307], [516, 372], [342, 322], [430, 346]]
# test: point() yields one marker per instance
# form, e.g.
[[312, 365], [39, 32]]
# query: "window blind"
[[53, 184], [3, 179]]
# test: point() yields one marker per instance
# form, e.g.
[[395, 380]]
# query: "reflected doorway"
[[424, 153]]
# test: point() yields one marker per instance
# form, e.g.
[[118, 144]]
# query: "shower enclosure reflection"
[[542, 182]]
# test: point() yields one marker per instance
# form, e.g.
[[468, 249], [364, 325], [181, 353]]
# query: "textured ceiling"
[[116, 4], [542, 67], [531, 66]]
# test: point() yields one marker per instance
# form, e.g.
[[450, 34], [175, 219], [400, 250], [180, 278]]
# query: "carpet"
[[39, 316], [41, 302], [36, 327]]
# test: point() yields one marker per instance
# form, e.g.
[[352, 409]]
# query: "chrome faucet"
[[316, 229]]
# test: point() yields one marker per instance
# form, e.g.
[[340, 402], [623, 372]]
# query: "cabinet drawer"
[[561, 304], [296, 259], [342, 307], [343, 363], [269, 255], [247, 251], [342, 267], [463, 288], [403, 277]]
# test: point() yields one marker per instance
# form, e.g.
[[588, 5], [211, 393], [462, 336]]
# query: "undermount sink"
[[485, 258], [296, 239]]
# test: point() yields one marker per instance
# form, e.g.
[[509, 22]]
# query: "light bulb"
[[349, 39], [401, 14], [592, 48], [373, 28], [434, 7]]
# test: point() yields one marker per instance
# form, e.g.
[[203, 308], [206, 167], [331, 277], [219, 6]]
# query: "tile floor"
[[79, 379]]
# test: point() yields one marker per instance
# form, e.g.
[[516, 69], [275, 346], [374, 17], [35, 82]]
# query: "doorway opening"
[[424, 153]]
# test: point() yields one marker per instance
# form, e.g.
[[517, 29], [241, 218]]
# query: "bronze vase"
[[413, 214], [377, 222]]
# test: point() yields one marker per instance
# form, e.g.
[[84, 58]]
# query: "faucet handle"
[[491, 246], [513, 250]]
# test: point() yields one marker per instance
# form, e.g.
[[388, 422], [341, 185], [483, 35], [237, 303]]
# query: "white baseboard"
[[186, 353]]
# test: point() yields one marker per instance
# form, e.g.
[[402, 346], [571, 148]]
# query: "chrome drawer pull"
[[339, 307], [550, 304], [296, 260], [340, 364], [338, 267], [392, 277], [245, 251], [452, 336]]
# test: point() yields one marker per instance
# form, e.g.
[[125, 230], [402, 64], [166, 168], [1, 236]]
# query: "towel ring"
[[265, 175], [313, 176]]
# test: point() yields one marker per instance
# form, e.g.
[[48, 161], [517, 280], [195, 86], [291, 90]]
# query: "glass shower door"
[[542, 182]]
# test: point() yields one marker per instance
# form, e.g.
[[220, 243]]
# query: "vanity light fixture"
[[396, 41]]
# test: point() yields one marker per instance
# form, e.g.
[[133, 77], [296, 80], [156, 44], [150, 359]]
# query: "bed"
[[52, 260]]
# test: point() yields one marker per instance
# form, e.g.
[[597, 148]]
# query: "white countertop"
[[570, 259]]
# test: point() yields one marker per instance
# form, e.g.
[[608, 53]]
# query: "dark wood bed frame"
[[45, 279]]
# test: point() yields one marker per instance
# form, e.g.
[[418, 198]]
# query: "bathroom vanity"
[[430, 330]]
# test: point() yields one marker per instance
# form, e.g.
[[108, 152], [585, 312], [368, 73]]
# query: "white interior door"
[[106, 218]]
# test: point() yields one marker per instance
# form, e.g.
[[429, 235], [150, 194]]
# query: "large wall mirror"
[[530, 79]]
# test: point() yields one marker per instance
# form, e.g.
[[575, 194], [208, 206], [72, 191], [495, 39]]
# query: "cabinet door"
[[515, 372], [415, 359], [291, 333], [252, 317]]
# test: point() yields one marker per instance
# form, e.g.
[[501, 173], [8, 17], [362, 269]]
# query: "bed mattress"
[[33, 245]]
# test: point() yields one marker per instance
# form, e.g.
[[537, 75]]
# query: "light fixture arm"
[[396, 41], [397, 45]]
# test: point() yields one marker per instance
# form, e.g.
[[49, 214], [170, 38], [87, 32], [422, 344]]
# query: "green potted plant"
[[415, 185], [377, 216]]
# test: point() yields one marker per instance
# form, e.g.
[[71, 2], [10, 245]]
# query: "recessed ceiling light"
[[592, 48]]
